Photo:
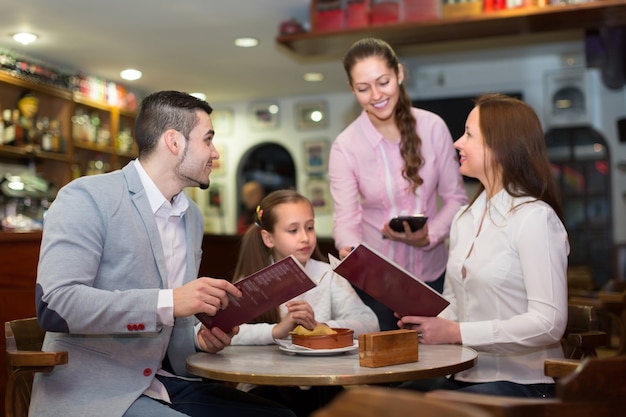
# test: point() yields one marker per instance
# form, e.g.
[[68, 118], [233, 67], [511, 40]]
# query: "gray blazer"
[[100, 269]]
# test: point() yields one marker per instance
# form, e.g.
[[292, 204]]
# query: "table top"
[[268, 365]]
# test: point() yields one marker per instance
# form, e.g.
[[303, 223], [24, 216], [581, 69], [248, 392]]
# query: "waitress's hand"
[[345, 251], [419, 238], [300, 312]]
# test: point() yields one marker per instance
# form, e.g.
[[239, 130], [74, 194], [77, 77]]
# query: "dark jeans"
[[386, 319], [502, 388], [208, 399], [302, 401]]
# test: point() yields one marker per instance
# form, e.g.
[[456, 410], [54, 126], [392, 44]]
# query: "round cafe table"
[[268, 365]]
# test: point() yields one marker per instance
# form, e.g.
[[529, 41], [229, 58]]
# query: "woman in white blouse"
[[506, 273]]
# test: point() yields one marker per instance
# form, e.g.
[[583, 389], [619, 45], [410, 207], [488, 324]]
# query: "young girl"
[[285, 226]]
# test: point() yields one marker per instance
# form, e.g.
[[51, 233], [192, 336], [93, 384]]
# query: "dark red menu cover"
[[262, 291], [389, 283]]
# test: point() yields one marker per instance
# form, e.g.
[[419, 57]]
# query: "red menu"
[[261, 291], [389, 283]]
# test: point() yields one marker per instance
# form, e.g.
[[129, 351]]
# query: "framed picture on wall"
[[264, 115], [318, 191], [223, 121], [316, 156], [311, 115], [214, 200]]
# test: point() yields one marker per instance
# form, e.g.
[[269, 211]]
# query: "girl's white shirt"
[[333, 300]]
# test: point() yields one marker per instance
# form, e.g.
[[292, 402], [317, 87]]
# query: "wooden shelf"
[[601, 13]]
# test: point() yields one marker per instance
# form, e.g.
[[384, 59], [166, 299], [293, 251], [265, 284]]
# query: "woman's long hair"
[[512, 131], [410, 142]]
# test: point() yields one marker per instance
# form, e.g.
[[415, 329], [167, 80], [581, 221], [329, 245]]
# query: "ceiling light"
[[313, 77], [246, 42], [201, 96], [316, 116], [131, 74], [25, 38]]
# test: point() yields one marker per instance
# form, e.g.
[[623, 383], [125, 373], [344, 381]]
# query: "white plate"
[[300, 350]]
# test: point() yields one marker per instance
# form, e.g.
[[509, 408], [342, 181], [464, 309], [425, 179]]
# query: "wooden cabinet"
[[104, 153], [75, 155], [19, 253], [493, 26]]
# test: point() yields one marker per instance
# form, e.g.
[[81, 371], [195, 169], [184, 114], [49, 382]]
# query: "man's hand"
[[213, 340], [203, 295]]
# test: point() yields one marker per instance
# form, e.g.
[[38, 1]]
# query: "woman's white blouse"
[[512, 303]]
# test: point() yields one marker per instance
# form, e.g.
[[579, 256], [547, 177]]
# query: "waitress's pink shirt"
[[368, 189]]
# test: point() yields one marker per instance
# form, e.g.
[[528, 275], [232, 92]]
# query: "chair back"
[[24, 338], [379, 401], [600, 380], [582, 335], [596, 388], [23, 334]]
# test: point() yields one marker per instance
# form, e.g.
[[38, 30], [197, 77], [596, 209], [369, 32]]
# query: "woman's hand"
[[419, 238], [433, 330], [300, 312]]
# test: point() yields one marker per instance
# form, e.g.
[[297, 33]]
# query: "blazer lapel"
[[140, 200]]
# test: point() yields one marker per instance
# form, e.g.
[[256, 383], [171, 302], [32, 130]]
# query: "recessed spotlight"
[[131, 74], [316, 116], [246, 42], [201, 96], [25, 38], [313, 77]]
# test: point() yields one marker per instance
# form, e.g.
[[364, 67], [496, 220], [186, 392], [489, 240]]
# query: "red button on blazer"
[[147, 372]]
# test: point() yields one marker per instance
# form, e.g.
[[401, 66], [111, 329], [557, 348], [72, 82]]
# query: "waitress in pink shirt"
[[393, 160]]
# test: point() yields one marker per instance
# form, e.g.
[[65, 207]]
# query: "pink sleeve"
[[344, 189]]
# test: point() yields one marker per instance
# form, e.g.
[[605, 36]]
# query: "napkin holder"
[[388, 348]]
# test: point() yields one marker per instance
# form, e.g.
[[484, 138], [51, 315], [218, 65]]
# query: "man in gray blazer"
[[117, 283]]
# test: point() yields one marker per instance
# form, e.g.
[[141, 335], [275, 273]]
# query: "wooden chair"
[[582, 336], [580, 281], [378, 401], [581, 340], [612, 305], [597, 388], [24, 338]]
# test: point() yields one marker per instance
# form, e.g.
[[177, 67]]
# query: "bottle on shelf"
[[78, 122], [124, 140], [36, 134], [94, 128], [8, 134], [19, 130], [58, 143], [45, 135], [2, 129]]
